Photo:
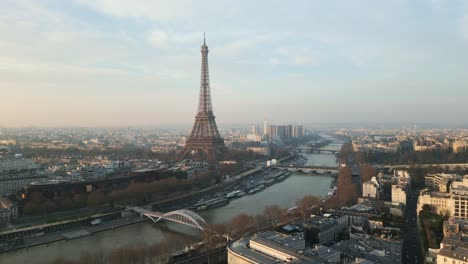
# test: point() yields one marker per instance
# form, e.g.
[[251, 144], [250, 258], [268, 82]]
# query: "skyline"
[[111, 63]]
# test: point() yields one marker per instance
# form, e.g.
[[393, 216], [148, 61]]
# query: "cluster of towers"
[[281, 132]]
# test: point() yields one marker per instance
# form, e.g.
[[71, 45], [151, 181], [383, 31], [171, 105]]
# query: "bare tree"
[[273, 214], [346, 190], [306, 204], [240, 225], [367, 171], [331, 203]]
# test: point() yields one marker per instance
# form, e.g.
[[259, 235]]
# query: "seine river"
[[283, 194]]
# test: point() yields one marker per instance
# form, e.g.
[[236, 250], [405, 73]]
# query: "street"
[[411, 251]]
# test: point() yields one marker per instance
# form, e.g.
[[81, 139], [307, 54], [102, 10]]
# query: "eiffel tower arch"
[[204, 138]]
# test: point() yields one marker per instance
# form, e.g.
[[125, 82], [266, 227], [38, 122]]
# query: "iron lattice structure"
[[205, 135]]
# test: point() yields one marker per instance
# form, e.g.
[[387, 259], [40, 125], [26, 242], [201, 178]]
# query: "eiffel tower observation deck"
[[204, 142]]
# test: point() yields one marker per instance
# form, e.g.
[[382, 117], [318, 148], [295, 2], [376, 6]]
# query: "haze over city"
[[233, 132], [118, 63]]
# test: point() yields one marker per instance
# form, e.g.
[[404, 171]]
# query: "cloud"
[[164, 39], [108, 46], [464, 27], [154, 10], [245, 43], [274, 61], [19, 65], [298, 56], [188, 38], [221, 89], [158, 38], [304, 59]]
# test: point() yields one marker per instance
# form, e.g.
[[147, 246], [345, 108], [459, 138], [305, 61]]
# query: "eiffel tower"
[[205, 138]]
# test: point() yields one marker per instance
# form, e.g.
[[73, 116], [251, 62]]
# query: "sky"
[[137, 63]]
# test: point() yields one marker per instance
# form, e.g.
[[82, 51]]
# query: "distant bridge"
[[306, 168], [408, 166], [317, 150], [182, 216]]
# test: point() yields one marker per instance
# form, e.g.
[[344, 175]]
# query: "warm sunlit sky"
[[127, 62]]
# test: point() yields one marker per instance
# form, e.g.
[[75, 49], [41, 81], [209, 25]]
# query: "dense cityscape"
[[389, 191], [380, 179]]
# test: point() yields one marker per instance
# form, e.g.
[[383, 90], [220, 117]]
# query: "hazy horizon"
[[85, 63], [223, 126]]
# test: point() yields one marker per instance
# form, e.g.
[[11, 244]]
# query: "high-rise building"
[[289, 131], [266, 128], [281, 132], [273, 132], [205, 136], [298, 131], [255, 130]]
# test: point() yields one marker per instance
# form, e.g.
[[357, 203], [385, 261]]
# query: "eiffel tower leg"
[[185, 153], [210, 154]]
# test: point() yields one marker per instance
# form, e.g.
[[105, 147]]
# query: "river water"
[[283, 194]]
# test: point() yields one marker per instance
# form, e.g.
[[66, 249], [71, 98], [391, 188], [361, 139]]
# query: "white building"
[[262, 150], [272, 247], [453, 250], [459, 198], [254, 137], [459, 146], [16, 164], [403, 179], [371, 189], [398, 194], [440, 181], [439, 202], [16, 173], [455, 202]]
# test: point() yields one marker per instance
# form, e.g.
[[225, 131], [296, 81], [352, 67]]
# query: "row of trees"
[[436, 156], [411, 157], [135, 193], [272, 217], [347, 191], [126, 152]]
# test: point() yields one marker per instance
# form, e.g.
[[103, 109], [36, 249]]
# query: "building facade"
[[440, 182], [8, 210], [18, 172], [371, 189], [398, 194], [454, 203], [272, 247], [439, 202]]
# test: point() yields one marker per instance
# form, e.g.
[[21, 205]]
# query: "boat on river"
[[233, 194], [240, 194], [212, 204]]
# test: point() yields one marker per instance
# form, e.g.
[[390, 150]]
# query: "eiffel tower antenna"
[[205, 136]]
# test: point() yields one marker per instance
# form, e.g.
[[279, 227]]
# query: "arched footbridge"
[[182, 216]]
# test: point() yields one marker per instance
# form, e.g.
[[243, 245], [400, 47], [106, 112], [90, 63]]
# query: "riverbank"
[[37, 235], [285, 194], [74, 233]]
